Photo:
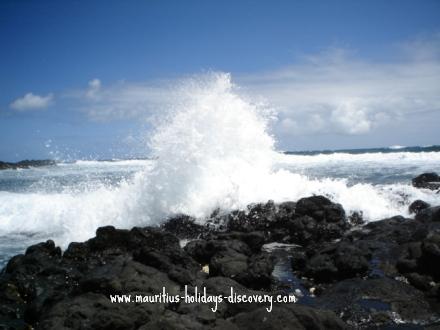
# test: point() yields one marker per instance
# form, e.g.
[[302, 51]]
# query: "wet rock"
[[116, 241], [317, 220], [204, 250], [228, 263], [258, 274], [255, 240], [430, 214], [421, 282], [397, 230], [219, 285], [321, 209], [337, 261], [430, 256], [418, 206], [26, 164], [361, 302], [172, 260], [351, 272], [288, 317], [96, 311], [184, 226], [172, 320], [43, 278], [427, 180], [258, 217], [126, 276]]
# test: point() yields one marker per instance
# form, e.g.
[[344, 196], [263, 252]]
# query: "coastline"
[[26, 164], [345, 273]]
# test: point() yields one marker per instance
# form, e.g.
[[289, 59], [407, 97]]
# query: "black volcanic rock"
[[334, 261], [184, 226], [310, 220], [287, 317], [430, 214], [258, 217], [26, 164], [427, 180], [376, 302], [369, 276], [417, 206]]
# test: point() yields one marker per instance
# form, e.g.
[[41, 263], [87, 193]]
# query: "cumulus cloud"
[[338, 92], [32, 101]]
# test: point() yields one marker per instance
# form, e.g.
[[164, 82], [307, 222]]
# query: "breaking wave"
[[211, 150]]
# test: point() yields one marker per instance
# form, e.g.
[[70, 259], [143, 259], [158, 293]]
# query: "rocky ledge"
[[345, 274], [26, 164]]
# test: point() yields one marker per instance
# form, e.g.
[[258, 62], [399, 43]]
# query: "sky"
[[78, 79]]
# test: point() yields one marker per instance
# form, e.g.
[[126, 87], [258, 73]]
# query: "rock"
[[288, 317], [427, 180], [317, 220], [222, 286], [336, 261], [398, 230], [184, 226], [418, 206], [95, 311], [320, 208], [125, 276], [111, 240], [179, 266], [257, 218], [352, 272], [26, 164], [421, 282], [204, 250], [430, 256], [364, 302], [258, 275], [228, 263], [172, 320], [255, 240], [43, 278], [430, 214]]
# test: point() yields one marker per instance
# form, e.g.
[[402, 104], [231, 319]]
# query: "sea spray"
[[211, 149]]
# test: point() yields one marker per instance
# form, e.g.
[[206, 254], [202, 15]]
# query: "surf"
[[211, 149]]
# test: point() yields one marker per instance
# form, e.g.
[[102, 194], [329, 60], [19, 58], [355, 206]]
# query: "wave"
[[396, 147], [395, 158], [211, 150]]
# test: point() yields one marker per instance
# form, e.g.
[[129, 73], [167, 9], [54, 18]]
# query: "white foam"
[[396, 147], [392, 158]]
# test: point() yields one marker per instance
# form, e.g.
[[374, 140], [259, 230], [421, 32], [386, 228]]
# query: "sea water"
[[211, 149]]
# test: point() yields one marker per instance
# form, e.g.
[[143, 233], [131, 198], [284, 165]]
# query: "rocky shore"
[[345, 274], [26, 164]]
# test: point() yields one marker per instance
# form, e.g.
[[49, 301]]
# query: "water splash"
[[211, 149]]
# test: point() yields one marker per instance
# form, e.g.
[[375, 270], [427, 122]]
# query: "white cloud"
[[31, 101], [123, 101], [334, 92], [94, 88], [351, 118]]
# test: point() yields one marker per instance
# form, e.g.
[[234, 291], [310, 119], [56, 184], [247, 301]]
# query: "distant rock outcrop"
[[26, 164]]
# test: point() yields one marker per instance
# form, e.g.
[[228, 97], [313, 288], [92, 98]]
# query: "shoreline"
[[343, 272], [26, 164]]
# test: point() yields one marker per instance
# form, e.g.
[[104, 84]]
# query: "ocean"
[[213, 149], [68, 201]]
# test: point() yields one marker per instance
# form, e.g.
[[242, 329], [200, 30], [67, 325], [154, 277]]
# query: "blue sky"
[[342, 74]]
